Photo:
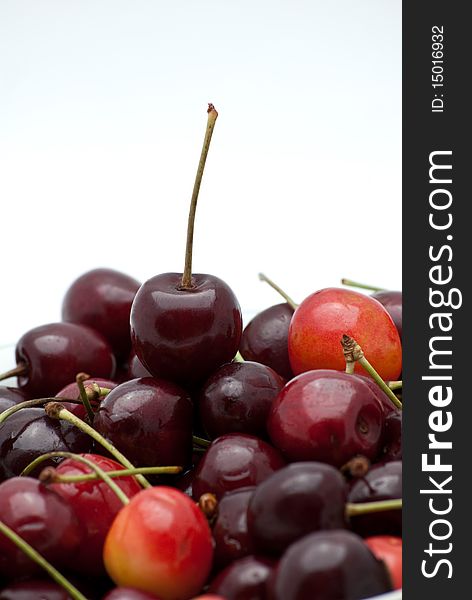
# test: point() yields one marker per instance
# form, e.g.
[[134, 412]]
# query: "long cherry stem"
[[31, 553], [367, 508], [80, 378], [362, 286], [32, 404], [55, 410], [187, 274], [20, 369], [278, 289], [199, 441], [116, 474], [395, 385]]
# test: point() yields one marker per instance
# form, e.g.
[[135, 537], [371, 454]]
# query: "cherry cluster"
[[153, 449]]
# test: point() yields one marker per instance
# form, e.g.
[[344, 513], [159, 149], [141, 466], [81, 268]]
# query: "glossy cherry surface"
[[72, 392], [34, 589], [245, 579], [234, 461], [185, 334], [326, 416], [382, 482], [388, 549], [237, 399], [265, 339], [102, 299], [122, 593], [329, 565], [95, 505], [9, 396], [29, 433], [320, 321], [135, 368], [160, 543], [393, 304], [294, 501], [149, 421], [392, 437], [230, 528], [43, 519], [55, 353]]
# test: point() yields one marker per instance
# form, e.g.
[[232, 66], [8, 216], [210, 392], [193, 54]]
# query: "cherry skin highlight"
[[320, 321], [34, 589], [101, 299], [326, 416], [160, 543], [72, 392], [184, 334], [122, 593]]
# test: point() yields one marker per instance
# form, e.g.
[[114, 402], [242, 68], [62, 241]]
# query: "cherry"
[[234, 461], [34, 588], [184, 326], [245, 579], [294, 501], [96, 506], [102, 300], [72, 392], [135, 368], [149, 421], [389, 550], [9, 396], [160, 543], [392, 437], [230, 528], [237, 398], [49, 357], [43, 519], [326, 416], [320, 322], [393, 302], [382, 482], [122, 593], [329, 565], [265, 339], [28, 433]]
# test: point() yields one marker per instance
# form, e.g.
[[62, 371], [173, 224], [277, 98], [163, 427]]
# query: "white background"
[[102, 115]]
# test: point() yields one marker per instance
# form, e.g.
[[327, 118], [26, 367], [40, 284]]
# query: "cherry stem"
[[187, 274], [198, 441], [31, 553], [32, 404], [47, 475], [208, 504], [362, 286], [278, 289], [116, 474], [395, 385], [238, 358], [367, 508], [20, 369], [353, 353], [80, 378], [56, 410]]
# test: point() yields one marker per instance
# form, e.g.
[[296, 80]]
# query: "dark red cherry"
[[135, 367], [237, 399], [294, 501], [102, 300], [326, 416], [29, 433], [43, 519], [72, 392], [121, 593], [392, 437], [149, 421], [265, 339], [392, 301], [96, 506], [244, 579], [53, 355], [184, 334], [387, 405], [329, 565], [9, 396], [234, 461], [34, 589], [382, 482], [230, 527]]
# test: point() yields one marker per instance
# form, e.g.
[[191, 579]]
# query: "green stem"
[[395, 385], [20, 369], [187, 274], [350, 366], [31, 553], [118, 474], [81, 377], [380, 382], [55, 410], [238, 358], [362, 286], [31, 404], [367, 508], [198, 441], [278, 289]]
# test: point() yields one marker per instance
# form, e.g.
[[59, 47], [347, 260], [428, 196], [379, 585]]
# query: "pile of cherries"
[[152, 449]]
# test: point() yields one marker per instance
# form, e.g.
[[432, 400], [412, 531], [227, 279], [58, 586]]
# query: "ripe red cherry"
[[294, 501], [72, 392], [393, 304], [53, 354], [43, 519], [95, 505], [388, 549], [321, 320], [234, 461], [329, 565], [244, 579], [326, 416], [265, 339], [102, 300], [149, 421], [237, 399], [160, 543]]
